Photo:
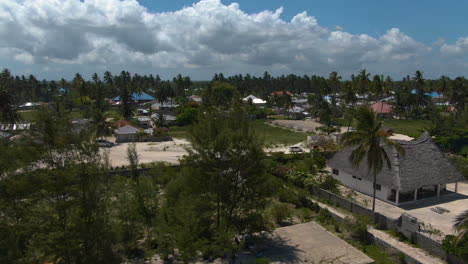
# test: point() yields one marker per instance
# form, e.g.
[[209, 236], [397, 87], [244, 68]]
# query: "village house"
[[382, 108], [422, 172], [139, 98], [255, 100], [126, 134]]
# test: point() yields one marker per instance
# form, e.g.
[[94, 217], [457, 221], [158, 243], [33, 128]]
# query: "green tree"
[[225, 177], [369, 143], [363, 82], [7, 100], [461, 226]]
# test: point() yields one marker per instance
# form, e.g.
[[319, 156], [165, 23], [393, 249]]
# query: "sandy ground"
[[168, 151], [455, 203], [307, 243], [310, 125]]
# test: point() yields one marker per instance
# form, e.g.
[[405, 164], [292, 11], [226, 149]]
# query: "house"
[[79, 124], [126, 134], [280, 93], [422, 172], [144, 122], [382, 108], [170, 103], [255, 100], [195, 99], [140, 97]]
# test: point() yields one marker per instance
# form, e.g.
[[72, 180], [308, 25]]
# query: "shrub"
[[280, 212], [304, 214], [358, 228], [325, 217], [458, 249], [330, 184], [286, 195], [187, 116], [262, 261]]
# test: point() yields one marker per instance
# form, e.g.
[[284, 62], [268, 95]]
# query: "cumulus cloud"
[[208, 34], [460, 48]]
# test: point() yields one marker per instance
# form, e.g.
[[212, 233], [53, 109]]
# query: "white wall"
[[363, 186]]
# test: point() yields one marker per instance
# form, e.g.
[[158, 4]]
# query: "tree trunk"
[[373, 196]]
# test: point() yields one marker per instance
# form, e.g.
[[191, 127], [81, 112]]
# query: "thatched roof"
[[423, 164]]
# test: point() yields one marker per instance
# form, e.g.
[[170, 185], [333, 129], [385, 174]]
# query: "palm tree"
[[334, 84], [363, 82], [8, 109], [370, 141], [100, 127], [461, 226]]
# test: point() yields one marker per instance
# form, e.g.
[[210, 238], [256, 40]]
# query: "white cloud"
[[460, 48], [207, 35]]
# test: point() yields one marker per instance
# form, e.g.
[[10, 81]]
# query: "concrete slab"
[[311, 243], [454, 203]]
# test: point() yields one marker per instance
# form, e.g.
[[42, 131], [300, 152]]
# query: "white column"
[[438, 190], [397, 197], [415, 194], [456, 186]]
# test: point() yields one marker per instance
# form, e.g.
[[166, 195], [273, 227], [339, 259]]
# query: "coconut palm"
[[100, 127], [363, 82], [461, 226], [369, 142]]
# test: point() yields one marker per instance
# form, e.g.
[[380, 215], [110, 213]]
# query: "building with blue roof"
[[139, 97], [431, 94]]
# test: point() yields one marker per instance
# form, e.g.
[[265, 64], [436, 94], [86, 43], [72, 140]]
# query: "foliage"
[[223, 190], [187, 116], [220, 94], [461, 226], [262, 261], [368, 142], [461, 163], [280, 212], [453, 140], [458, 249]]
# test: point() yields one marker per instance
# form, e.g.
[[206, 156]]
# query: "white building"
[[422, 172]]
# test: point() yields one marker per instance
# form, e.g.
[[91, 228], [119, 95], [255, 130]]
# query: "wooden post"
[[438, 190], [415, 194], [397, 196]]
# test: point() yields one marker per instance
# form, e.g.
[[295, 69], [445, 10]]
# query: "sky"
[[57, 38]]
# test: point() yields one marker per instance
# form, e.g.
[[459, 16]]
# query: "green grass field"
[[412, 128], [276, 135], [31, 115], [271, 135]]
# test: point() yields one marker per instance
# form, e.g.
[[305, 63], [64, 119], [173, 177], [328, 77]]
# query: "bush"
[[330, 184], [262, 261], [304, 214], [358, 228], [286, 195], [452, 248], [325, 217], [280, 212], [187, 116]]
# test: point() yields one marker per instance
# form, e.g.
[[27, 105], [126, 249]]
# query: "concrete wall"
[[406, 224], [362, 185]]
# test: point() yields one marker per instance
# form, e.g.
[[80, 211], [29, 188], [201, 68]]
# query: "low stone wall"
[[384, 244], [429, 244], [406, 224]]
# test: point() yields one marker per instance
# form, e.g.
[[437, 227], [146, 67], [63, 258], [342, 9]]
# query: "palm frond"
[[460, 224]]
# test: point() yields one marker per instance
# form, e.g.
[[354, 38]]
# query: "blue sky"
[[55, 39]]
